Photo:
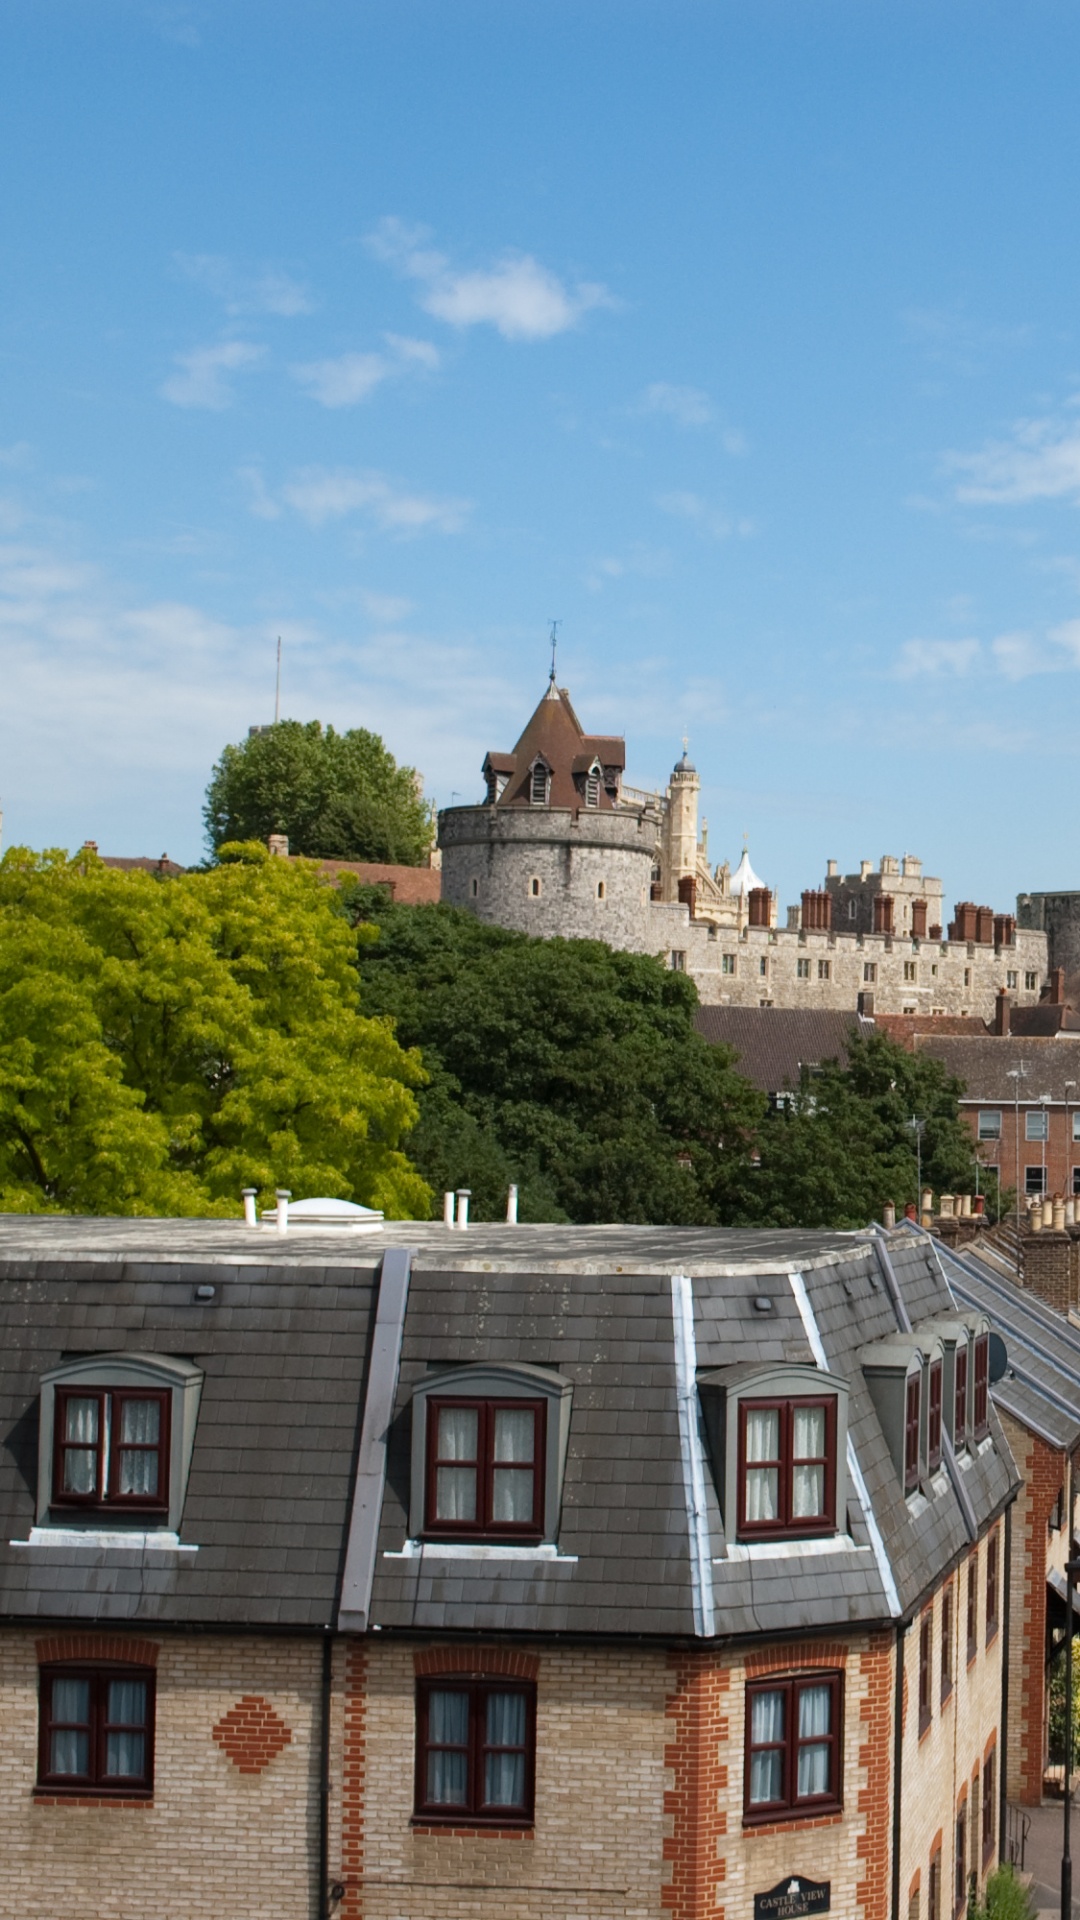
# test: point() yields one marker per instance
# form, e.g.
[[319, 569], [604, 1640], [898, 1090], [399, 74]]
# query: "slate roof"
[[983, 1066], [774, 1044], [555, 732], [285, 1346]]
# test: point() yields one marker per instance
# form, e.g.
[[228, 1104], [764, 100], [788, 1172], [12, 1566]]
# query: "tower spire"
[[553, 691]]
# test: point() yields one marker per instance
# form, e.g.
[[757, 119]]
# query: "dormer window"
[[538, 783], [592, 785], [933, 1417], [787, 1467], [912, 1422], [960, 1396], [981, 1395], [116, 1435], [488, 1448]]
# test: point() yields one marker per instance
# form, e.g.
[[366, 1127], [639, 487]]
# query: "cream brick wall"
[[938, 1764], [214, 1844]]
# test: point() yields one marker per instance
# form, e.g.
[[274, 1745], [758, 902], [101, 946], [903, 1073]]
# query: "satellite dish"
[[997, 1357]]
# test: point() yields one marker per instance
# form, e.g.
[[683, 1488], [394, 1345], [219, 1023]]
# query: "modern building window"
[[475, 1751], [991, 1587], [787, 1467], [111, 1449], [824, 968], [989, 1804], [972, 1606], [1012, 981], [802, 969], [96, 1731], [960, 1888], [869, 972], [678, 960], [911, 1433], [989, 1124], [933, 1418], [946, 1643], [1076, 1179], [1076, 1125], [1037, 1124], [1035, 1179], [727, 963], [911, 970], [485, 1469], [792, 1747], [981, 1395], [960, 1396], [1031, 981], [926, 1669]]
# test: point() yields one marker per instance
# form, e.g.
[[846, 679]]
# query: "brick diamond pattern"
[[252, 1734]]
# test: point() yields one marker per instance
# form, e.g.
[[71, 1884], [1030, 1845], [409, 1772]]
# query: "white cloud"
[[935, 659], [518, 296], [320, 494], [688, 406], [387, 609], [646, 563], [711, 521], [354, 376], [1040, 462], [261, 501], [270, 290], [17, 455], [1013, 656], [201, 377]]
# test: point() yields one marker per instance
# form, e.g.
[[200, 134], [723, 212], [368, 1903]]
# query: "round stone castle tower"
[[556, 848]]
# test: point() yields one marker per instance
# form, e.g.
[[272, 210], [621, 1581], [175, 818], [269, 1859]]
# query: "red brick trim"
[[990, 1746], [916, 1883], [252, 1733], [477, 1660], [697, 1709], [354, 1782], [875, 1799], [97, 1647], [797, 1655], [937, 1842]]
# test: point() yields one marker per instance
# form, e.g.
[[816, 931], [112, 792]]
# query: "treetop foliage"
[[338, 796]]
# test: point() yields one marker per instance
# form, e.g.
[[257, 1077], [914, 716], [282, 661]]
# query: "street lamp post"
[[1072, 1570], [918, 1128]]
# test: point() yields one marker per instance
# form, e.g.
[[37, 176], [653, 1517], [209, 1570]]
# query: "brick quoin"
[[354, 1783], [697, 1709], [1043, 1473], [875, 1757], [97, 1647]]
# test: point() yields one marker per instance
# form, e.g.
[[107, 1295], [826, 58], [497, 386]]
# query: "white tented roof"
[[744, 879]]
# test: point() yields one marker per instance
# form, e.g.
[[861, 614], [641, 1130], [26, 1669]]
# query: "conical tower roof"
[[744, 879]]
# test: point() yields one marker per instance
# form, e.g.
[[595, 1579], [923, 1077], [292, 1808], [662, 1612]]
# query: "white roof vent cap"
[[329, 1213]]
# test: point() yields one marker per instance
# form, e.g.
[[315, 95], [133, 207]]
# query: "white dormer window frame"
[[116, 1432], [457, 1412], [593, 778]]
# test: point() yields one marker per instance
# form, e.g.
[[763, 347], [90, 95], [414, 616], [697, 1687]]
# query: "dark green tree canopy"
[[338, 796]]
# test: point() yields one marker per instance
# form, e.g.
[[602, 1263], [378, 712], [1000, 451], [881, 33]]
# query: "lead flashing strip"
[[693, 1458], [359, 1571], [877, 1542]]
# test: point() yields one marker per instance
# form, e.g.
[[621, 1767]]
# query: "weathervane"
[[555, 625]]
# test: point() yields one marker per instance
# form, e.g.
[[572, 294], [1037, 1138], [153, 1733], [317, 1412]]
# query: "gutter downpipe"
[[323, 1908], [898, 1766], [1003, 1741]]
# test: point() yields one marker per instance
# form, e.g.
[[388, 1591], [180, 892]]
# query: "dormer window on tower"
[[539, 782]]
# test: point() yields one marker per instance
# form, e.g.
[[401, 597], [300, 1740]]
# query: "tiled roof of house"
[[409, 886], [984, 1065], [286, 1345], [904, 1027], [774, 1044], [142, 863]]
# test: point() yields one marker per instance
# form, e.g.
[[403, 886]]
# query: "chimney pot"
[[251, 1218], [512, 1207], [1001, 1012], [282, 1196], [464, 1194], [448, 1209]]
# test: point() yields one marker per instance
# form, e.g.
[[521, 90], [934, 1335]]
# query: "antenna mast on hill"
[[555, 625], [277, 687]]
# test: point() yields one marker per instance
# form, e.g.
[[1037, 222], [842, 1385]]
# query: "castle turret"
[[679, 858]]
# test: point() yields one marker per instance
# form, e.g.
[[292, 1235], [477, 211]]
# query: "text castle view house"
[[562, 845], [410, 1573]]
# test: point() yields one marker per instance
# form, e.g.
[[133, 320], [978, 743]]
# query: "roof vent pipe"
[[283, 1196], [448, 1209], [511, 1207], [464, 1195], [251, 1218]]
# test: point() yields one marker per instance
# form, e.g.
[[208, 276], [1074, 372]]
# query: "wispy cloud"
[[519, 297], [269, 290], [1039, 461], [1016, 655], [687, 406], [202, 376], [711, 521], [937, 659], [352, 377], [17, 455], [646, 563], [323, 494]]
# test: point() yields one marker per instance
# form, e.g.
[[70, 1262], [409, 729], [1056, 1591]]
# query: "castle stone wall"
[[1057, 915], [550, 871]]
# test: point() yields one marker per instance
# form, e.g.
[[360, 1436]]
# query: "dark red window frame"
[[912, 1411], [926, 1670], [981, 1420], [95, 1781], [991, 1587], [989, 1808], [789, 1805], [933, 1418], [110, 1449], [787, 1525], [484, 1466], [960, 1388], [474, 1812], [947, 1599], [960, 1886], [972, 1606]]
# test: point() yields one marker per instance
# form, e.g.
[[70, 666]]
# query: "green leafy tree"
[[573, 1070], [165, 1043], [843, 1143], [338, 796]]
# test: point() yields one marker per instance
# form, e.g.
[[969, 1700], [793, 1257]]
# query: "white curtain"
[[69, 1747], [514, 1434], [808, 1444], [815, 1708], [448, 1726], [125, 1741], [512, 1491], [140, 1428], [762, 1443], [504, 1773], [766, 1769], [455, 1487], [81, 1417]]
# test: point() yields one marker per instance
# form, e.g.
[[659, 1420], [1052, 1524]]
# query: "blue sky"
[[742, 338]]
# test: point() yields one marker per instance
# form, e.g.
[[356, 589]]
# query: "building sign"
[[793, 1898]]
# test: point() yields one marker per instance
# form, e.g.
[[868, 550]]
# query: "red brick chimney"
[[919, 911], [964, 921], [759, 902], [1001, 1012], [1057, 986], [883, 913], [816, 911]]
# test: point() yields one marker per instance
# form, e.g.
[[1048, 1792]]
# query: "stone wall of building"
[[232, 1827], [584, 875], [1057, 916]]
